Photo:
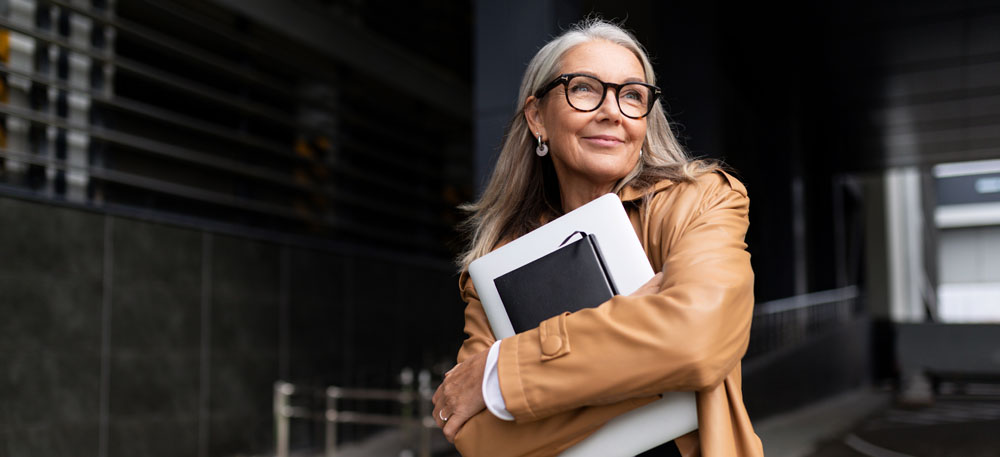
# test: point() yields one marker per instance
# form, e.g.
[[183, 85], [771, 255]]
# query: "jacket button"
[[551, 345]]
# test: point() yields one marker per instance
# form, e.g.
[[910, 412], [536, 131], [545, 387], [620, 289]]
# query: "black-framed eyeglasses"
[[586, 93]]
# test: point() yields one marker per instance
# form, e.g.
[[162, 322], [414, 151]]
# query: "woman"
[[590, 124]]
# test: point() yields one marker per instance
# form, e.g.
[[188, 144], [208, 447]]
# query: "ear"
[[533, 114]]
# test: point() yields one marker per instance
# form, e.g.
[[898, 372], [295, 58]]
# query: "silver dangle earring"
[[542, 148]]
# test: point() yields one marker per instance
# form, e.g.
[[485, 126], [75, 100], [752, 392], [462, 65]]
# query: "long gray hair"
[[523, 190]]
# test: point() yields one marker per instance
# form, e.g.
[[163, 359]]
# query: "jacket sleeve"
[[477, 328], [482, 433], [687, 337]]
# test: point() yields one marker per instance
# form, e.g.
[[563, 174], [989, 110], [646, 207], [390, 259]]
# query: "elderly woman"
[[590, 123]]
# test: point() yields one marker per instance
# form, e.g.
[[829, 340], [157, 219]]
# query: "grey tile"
[[249, 268], [37, 388], [24, 389], [145, 384], [156, 315], [50, 241], [163, 436], [247, 327], [242, 384], [241, 435], [75, 387], [156, 295], [56, 439], [146, 251], [51, 275], [245, 288], [48, 314]]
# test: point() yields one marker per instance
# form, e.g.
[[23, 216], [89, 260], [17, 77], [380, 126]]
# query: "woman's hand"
[[460, 395], [651, 287]]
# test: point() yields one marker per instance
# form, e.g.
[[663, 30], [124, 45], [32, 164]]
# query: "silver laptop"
[[640, 429]]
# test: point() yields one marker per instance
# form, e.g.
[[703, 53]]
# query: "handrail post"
[[424, 382], [282, 390], [330, 417], [409, 405]]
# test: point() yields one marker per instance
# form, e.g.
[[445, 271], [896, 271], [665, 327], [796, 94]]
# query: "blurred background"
[[213, 211]]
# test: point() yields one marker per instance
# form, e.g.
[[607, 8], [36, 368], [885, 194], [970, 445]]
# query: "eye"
[[584, 86], [630, 93]]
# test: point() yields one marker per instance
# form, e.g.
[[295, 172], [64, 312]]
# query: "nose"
[[609, 107]]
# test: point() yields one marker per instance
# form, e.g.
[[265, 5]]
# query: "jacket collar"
[[629, 193]]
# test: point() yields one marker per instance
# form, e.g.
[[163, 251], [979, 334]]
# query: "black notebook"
[[571, 278]]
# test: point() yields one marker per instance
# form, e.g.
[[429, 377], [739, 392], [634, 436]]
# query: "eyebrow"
[[591, 74]]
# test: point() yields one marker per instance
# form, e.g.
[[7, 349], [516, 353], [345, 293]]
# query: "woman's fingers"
[[453, 425], [441, 417], [437, 412], [459, 396], [438, 394], [457, 418]]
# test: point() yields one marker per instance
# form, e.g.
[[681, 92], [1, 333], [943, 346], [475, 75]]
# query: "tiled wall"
[[50, 342], [121, 337]]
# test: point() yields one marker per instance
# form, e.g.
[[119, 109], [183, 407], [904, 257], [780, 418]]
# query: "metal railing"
[[415, 417], [789, 321]]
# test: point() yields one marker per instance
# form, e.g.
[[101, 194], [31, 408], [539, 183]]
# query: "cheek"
[[638, 133], [564, 138]]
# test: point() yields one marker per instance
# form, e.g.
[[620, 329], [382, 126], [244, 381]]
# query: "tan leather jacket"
[[564, 379]]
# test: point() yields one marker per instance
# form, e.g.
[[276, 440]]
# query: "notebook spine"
[[604, 265]]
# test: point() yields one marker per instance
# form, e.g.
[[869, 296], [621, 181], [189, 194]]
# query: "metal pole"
[[282, 390], [424, 381], [330, 417], [409, 401]]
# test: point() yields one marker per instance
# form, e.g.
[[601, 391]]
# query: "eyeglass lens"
[[586, 94]]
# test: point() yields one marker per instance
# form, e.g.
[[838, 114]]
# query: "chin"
[[616, 168], [608, 174]]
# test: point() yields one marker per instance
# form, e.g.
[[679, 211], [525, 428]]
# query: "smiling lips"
[[604, 140]]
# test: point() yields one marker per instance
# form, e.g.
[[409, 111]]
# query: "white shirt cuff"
[[491, 385]]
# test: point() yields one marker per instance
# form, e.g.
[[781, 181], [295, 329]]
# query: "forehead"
[[606, 60]]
